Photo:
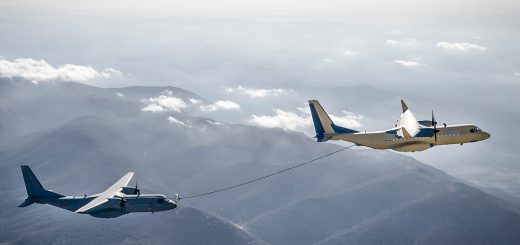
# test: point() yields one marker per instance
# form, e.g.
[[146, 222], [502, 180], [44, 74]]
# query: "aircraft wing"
[[92, 204], [110, 192]]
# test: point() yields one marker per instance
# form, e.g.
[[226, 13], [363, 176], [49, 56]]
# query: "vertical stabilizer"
[[323, 125], [322, 122], [33, 186]]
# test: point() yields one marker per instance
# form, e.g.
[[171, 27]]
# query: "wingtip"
[[405, 107]]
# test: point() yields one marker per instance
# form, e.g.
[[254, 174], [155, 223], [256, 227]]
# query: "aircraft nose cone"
[[486, 135], [172, 204]]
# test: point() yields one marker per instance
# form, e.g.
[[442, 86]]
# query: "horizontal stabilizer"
[[323, 137], [26, 202]]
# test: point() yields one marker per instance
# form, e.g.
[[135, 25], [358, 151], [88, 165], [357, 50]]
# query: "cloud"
[[174, 120], [348, 52], [111, 72], [460, 46], [403, 42], [220, 105], [41, 71], [164, 103], [282, 119], [216, 123], [407, 63], [349, 119], [153, 108], [194, 101], [120, 94], [301, 120], [327, 60], [517, 74], [257, 93], [167, 102]]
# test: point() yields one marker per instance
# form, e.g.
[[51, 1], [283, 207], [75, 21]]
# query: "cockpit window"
[[475, 129], [161, 200]]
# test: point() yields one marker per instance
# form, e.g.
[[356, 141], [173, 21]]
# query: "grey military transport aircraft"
[[117, 200], [407, 135]]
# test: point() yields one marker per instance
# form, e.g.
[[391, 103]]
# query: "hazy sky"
[[460, 58], [388, 7]]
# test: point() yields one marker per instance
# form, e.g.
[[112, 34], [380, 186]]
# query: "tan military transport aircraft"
[[407, 135]]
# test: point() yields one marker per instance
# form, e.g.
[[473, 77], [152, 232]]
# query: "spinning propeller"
[[122, 203], [435, 130], [136, 190]]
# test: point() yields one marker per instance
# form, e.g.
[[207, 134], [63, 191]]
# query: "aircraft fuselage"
[[117, 200], [112, 208], [451, 134]]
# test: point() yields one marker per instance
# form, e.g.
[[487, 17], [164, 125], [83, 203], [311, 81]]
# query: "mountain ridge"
[[336, 200]]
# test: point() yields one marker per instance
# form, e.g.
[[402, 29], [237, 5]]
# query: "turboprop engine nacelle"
[[130, 190]]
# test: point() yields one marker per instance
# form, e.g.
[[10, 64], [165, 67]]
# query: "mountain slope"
[[35, 107], [324, 202], [455, 217], [182, 226], [356, 196]]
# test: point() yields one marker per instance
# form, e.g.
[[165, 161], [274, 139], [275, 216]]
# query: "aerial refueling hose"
[[265, 176]]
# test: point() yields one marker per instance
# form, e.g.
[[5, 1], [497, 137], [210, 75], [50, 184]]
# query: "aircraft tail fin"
[[34, 188], [323, 125]]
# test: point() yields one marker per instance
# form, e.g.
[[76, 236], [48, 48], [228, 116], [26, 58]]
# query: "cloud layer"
[[464, 46], [301, 120], [164, 103], [403, 43], [41, 71], [174, 120], [406, 63], [348, 52], [167, 102], [257, 93], [220, 105]]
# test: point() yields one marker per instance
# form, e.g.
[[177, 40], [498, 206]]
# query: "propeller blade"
[[434, 123]]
